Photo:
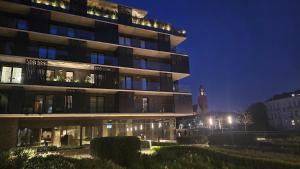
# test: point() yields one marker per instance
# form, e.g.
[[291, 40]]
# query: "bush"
[[145, 144], [233, 139], [121, 150], [60, 162], [47, 148], [192, 140], [49, 162], [155, 143], [95, 164], [4, 160], [180, 157], [15, 158]]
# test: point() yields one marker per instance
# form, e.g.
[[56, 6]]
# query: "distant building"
[[284, 111], [202, 108]]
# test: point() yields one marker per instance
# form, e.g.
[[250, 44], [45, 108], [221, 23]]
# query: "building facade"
[[72, 70], [284, 111]]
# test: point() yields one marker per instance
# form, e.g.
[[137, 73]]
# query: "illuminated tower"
[[202, 101]]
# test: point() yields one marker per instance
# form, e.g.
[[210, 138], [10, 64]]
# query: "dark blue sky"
[[242, 51]]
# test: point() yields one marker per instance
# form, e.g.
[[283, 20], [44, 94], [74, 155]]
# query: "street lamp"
[[210, 122], [229, 118]]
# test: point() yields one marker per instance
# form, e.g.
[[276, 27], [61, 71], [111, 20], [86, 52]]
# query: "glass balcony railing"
[[181, 88], [154, 108], [101, 12], [62, 4], [157, 25], [151, 65], [110, 13], [139, 85], [71, 32]]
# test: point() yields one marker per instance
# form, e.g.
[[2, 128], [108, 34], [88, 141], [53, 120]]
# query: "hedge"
[[215, 159], [233, 139], [121, 150], [192, 140]]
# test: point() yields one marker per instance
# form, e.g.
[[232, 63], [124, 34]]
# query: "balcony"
[[157, 25], [100, 13], [181, 88], [106, 11], [153, 65], [154, 108], [57, 4]]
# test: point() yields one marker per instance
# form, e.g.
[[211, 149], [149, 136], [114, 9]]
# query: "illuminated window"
[[69, 76], [11, 75], [50, 75]]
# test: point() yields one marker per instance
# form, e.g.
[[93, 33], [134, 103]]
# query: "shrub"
[[121, 150], [155, 143], [4, 160], [20, 155], [49, 162], [145, 144], [179, 157], [233, 139], [192, 140], [95, 164], [47, 148]]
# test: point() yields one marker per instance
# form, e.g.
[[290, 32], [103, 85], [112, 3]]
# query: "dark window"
[[69, 102], [51, 53], [22, 24], [71, 32], [96, 104], [128, 82], [3, 103], [47, 52], [97, 58], [53, 29], [49, 104], [144, 84], [38, 104], [43, 52]]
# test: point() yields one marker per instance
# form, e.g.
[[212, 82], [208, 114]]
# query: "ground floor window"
[[76, 135]]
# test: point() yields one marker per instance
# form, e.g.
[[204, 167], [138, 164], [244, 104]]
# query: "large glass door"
[[6, 74], [11, 74], [16, 75]]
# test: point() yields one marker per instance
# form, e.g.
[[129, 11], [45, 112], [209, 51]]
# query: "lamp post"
[[210, 122], [229, 119]]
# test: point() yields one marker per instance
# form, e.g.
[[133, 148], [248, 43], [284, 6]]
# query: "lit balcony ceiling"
[[139, 13]]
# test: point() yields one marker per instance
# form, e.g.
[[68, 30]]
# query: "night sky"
[[242, 51]]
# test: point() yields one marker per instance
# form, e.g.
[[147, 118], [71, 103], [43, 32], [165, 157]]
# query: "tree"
[[245, 119], [259, 115]]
